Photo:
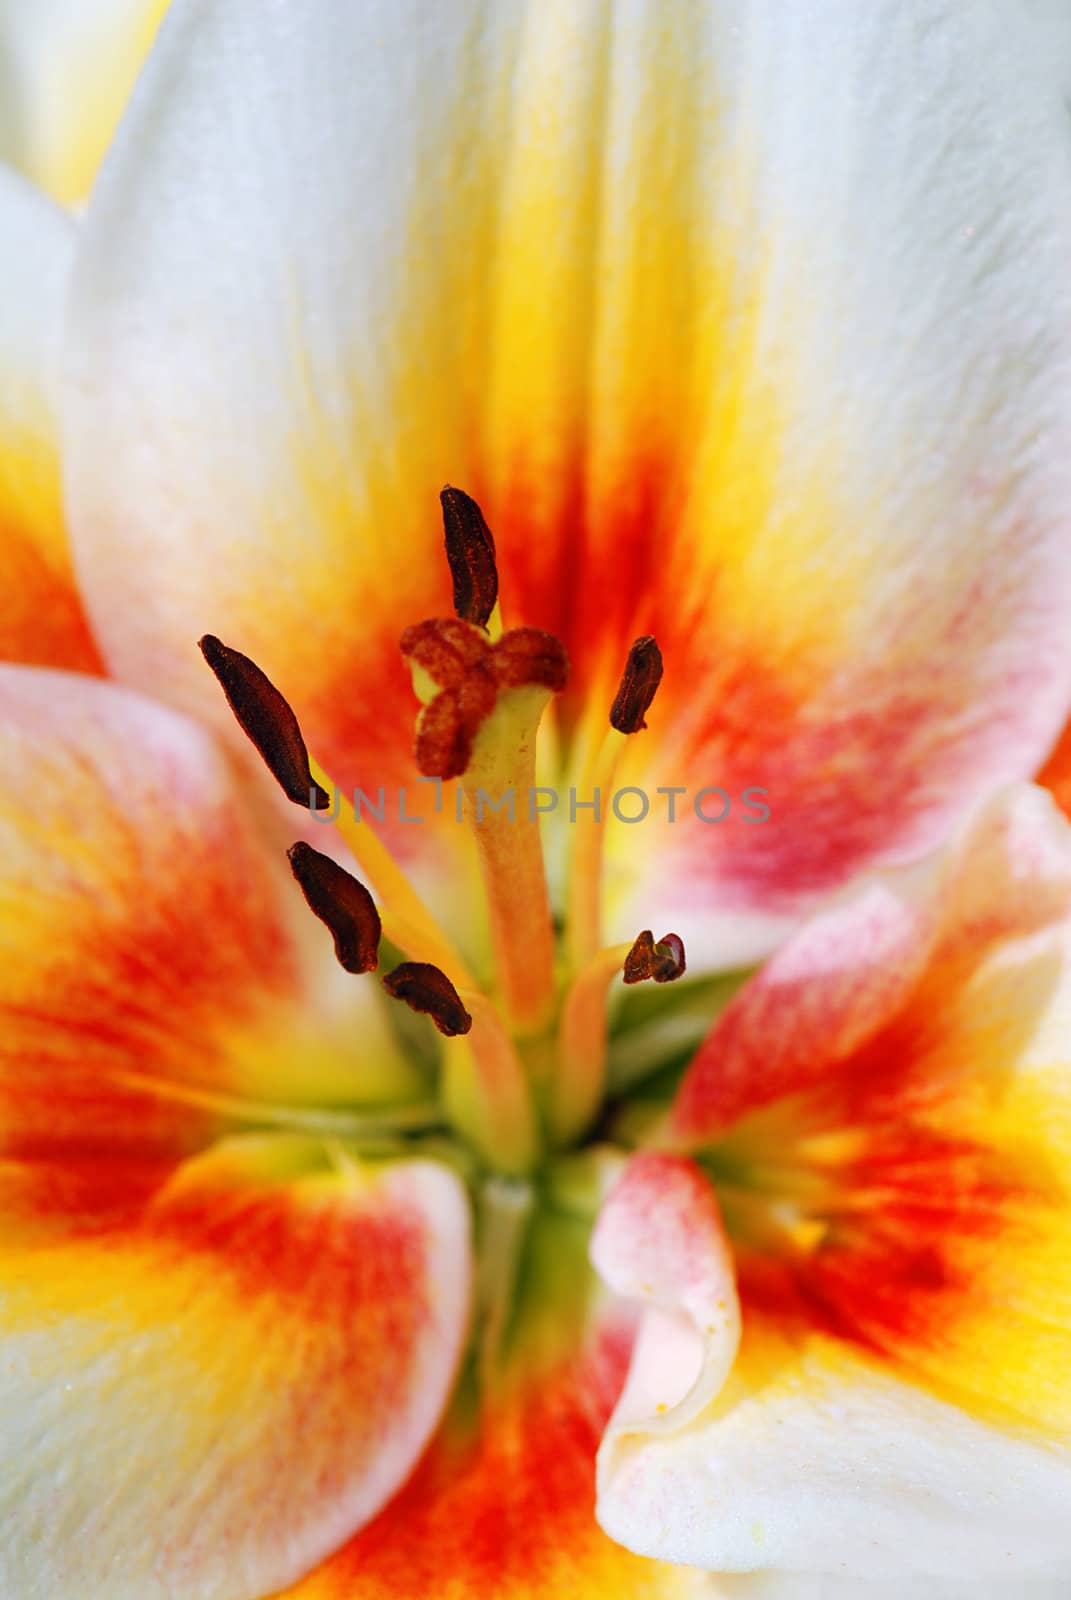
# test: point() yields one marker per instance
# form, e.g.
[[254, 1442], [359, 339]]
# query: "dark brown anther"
[[638, 687], [669, 963], [470, 550], [424, 988], [664, 961], [266, 718], [528, 657], [638, 960], [343, 905]]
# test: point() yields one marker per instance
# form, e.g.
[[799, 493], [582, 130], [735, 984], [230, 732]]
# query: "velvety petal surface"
[[885, 1114], [740, 322], [212, 1379], [41, 615], [160, 973], [66, 71]]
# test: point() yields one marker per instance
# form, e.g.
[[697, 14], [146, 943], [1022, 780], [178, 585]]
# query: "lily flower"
[[742, 349]]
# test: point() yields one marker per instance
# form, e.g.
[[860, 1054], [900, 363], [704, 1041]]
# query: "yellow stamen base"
[[580, 1080], [486, 1094], [407, 922]]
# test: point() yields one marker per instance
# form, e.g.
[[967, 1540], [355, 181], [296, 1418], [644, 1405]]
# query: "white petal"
[[814, 1460], [808, 1586], [66, 71], [659, 1240]]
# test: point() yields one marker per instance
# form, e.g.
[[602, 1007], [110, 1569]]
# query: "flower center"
[[524, 1058]]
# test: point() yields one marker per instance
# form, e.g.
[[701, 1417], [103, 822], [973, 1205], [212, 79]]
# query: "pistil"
[[482, 706], [497, 786]]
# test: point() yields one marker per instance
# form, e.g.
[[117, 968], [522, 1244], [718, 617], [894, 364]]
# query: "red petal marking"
[[843, 976], [42, 622], [257, 1237], [1056, 773], [150, 952], [902, 1217], [506, 1508], [91, 1050], [889, 1132], [98, 1068], [78, 1198], [265, 1244]]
